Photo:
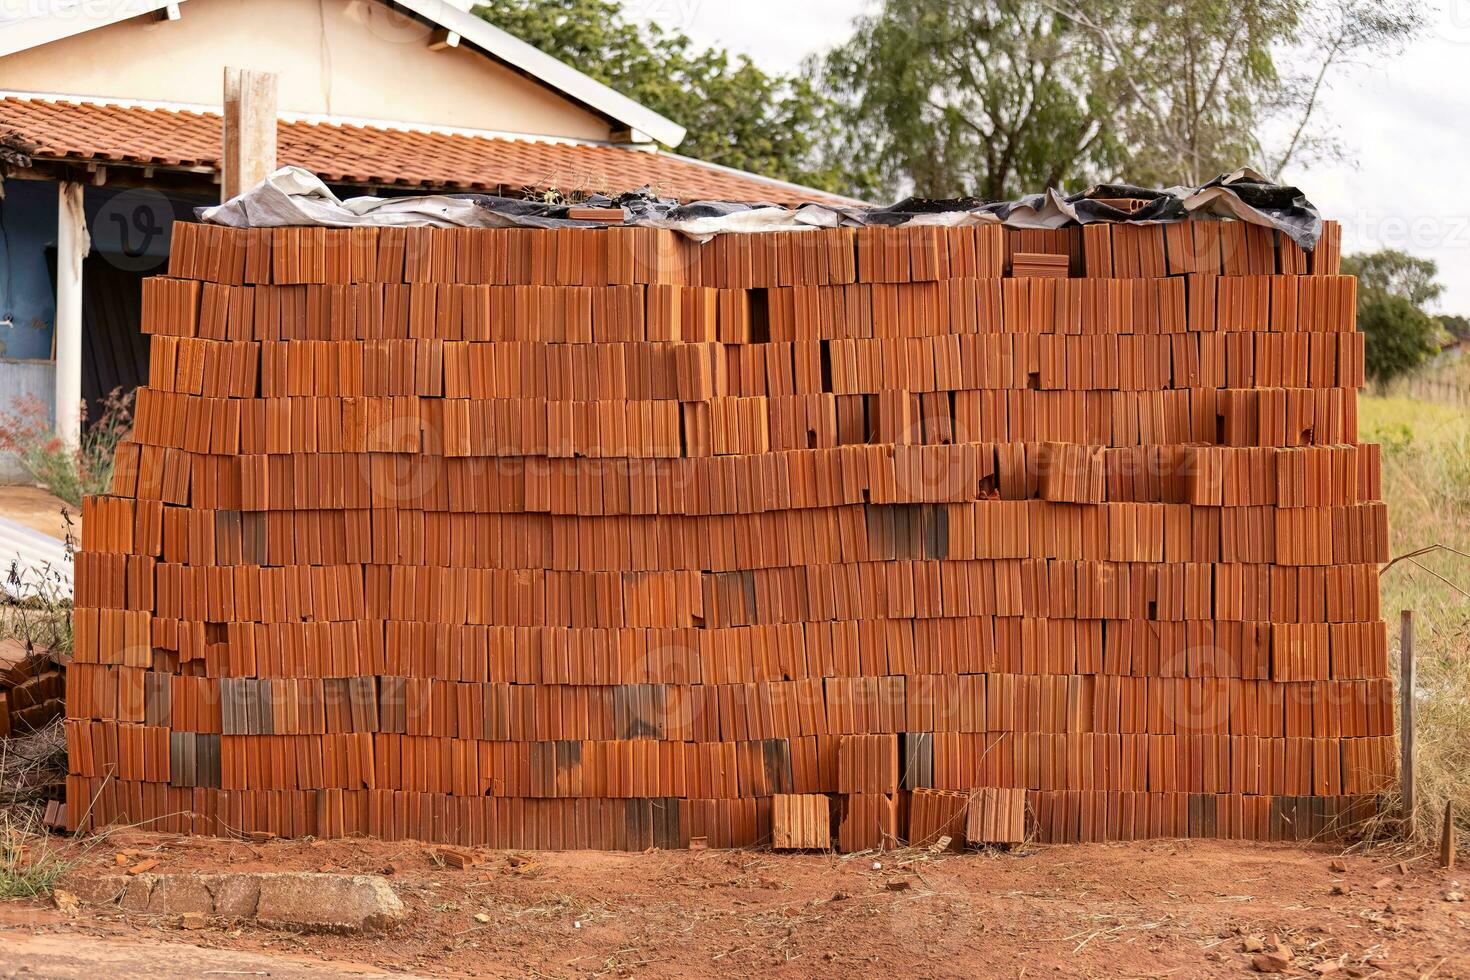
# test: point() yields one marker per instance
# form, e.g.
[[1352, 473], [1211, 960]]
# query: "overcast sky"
[[1405, 122]]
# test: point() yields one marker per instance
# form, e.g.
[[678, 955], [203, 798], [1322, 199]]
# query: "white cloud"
[[1402, 182]]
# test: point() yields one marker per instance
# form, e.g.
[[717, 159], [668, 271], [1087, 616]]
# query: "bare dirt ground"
[[38, 510], [1158, 909], [60, 955]]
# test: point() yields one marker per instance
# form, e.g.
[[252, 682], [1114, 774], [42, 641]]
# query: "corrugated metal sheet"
[[20, 379], [114, 349], [28, 558]]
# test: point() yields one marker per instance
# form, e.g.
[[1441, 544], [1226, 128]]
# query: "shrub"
[[67, 472]]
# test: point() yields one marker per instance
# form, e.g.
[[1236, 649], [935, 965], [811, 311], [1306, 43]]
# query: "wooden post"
[[1447, 842], [72, 245], [1408, 681], [250, 130]]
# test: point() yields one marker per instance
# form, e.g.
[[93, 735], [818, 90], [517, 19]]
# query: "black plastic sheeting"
[[641, 205], [1244, 195], [293, 196]]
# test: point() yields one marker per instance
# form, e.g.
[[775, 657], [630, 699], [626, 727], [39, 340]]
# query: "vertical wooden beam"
[[72, 245], [249, 130], [1447, 837], [1408, 681]]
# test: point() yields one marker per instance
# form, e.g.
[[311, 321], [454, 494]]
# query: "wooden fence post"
[[1447, 837], [1408, 681]]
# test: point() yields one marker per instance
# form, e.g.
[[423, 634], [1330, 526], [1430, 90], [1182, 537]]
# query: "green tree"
[[1399, 335], [736, 114], [1396, 272], [1457, 326], [997, 97], [953, 98], [1204, 78], [1190, 79], [1393, 288]]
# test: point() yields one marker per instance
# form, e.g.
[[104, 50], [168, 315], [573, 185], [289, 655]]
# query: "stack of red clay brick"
[[601, 538], [31, 689]]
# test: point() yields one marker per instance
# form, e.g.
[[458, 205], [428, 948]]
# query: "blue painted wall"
[[131, 228], [27, 294]]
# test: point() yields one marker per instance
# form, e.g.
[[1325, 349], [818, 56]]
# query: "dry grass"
[[1427, 486], [36, 605], [31, 858], [1444, 381], [35, 610], [30, 767], [30, 863]]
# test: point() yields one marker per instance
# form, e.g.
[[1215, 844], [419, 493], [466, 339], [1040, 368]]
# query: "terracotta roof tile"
[[345, 154]]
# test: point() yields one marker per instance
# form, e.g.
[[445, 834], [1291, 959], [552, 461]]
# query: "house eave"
[[71, 17]]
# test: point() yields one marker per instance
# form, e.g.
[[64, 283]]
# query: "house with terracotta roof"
[[110, 129]]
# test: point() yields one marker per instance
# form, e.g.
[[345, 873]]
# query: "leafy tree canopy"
[[1399, 335], [1393, 288], [1398, 273], [1456, 326], [1000, 97], [946, 98], [737, 115]]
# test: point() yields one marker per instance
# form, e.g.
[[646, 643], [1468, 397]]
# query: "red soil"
[[1164, 908]]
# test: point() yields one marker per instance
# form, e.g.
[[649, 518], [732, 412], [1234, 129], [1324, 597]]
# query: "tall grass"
[[1426, 482], [1443, 381], [36, 607]]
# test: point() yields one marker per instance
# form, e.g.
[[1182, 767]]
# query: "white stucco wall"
[[334, 57]]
